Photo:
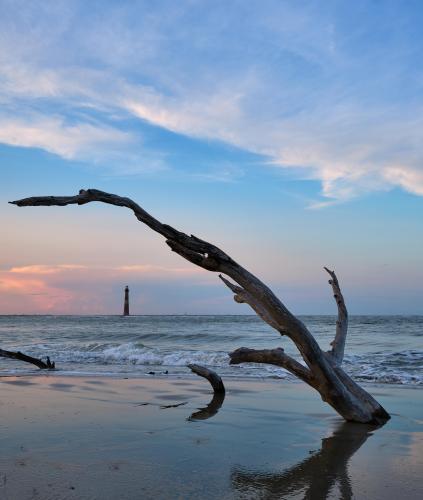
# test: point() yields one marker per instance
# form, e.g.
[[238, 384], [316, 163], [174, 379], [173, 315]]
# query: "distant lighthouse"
[[126, 303]]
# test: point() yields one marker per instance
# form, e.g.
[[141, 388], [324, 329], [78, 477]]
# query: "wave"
[[401, 367]]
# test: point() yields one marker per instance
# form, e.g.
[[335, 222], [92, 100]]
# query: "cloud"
[[310, 91], [153, 271], [409, 179], [212, 115], [45, 269], [52, 134], [22, 294], [348, 150], [78, 289], [30, 82]]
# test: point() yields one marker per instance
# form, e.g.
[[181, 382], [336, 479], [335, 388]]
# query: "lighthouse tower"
[[126, 303]]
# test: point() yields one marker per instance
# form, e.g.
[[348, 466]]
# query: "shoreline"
[[227, 379], [96, 437]]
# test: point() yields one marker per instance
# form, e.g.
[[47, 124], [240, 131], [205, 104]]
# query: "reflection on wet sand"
[[315, 476], [211, 409]]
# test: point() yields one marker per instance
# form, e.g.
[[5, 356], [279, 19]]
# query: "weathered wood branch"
[[210, 375], [47, 365], [275, 357], [218, 393], [338, 344], [334, 386], [242, 296]]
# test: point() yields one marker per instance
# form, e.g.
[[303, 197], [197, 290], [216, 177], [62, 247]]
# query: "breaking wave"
[[140, 345]]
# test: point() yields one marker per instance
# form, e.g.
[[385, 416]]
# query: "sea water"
[[381, 349]]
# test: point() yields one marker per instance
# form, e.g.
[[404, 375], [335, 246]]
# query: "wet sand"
[[156, 438]]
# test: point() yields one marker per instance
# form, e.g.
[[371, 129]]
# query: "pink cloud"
[[25, 294], [79, 289], [44, 269]]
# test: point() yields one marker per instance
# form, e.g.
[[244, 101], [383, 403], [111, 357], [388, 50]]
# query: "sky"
[[290, 134]]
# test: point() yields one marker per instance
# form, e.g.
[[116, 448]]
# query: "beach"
[[73, 437], [211, 270]]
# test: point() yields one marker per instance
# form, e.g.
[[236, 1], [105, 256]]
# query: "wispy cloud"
[[306, 88], [206, 115], [45, 269], [79, 141], [136, 269]]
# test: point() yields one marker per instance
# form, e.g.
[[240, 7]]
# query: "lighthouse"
[[126, 303]]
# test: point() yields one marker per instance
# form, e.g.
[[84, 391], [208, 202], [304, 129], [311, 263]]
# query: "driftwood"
[[322, 370], [314, 477], [210, 375], [338, 344], [47, 365], [219, 393]]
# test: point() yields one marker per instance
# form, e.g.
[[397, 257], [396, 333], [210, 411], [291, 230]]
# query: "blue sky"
[[289, 133]]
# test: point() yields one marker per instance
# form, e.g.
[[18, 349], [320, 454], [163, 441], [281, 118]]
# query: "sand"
[[105, 438]]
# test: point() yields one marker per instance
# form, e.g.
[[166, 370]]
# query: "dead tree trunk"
[[47, 365], [322, 370]]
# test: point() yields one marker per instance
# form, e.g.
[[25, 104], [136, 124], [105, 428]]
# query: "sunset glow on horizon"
[[287, 133]]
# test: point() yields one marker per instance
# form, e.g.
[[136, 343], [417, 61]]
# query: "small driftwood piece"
[[322, 370], [47, 365], [210, 375], [219, 393]]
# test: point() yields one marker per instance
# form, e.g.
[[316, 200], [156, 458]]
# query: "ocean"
[[380, 349]]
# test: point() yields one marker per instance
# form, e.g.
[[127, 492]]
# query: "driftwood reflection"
[[211, 409], [315, 476]]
